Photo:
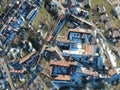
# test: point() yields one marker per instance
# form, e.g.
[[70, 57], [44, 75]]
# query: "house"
[[117, 10], [32, 62], [108, 25], [24, 59], [16, 66], [61, 70], [28, 10], [101, 9], [9, 39], [25, 8], [76, 10], [115, 34], [16, 23], [104, 18], [64, 2], [51, 54]]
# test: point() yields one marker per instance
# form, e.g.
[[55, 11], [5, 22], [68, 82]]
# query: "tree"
[[47, 2]]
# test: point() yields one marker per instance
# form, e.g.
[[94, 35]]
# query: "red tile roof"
[[49, 38], [27, 57], [89, 49], [63, 63], [17, 71], [63, 77]]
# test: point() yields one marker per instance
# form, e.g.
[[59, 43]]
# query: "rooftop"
[[81, 30], [115, 34], [24, 59], [80, 50], [89, 72], [63, 63], [16, 71], [111, 72], [63, 77]]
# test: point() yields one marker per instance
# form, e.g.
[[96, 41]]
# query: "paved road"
[[5, 68], [59, 53]]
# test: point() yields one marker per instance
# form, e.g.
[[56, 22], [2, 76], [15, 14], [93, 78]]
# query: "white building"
[[117, 10]]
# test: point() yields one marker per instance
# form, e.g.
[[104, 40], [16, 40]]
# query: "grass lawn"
[[3, 4], [63, 31], [118, 63], [41, 17], [109, 8]]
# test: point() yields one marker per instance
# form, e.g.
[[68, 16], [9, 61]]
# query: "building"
[[89, 72], [76, 10], [101, 9], [80, 51], [62, 70], [78, 42], [117, 10], [63, 73], [104, 18], [108, 25], [24, 59], [9, 39], [17, 22], [30, 17]]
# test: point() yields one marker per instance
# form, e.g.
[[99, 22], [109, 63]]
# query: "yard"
[[41, 17], [109, 8]]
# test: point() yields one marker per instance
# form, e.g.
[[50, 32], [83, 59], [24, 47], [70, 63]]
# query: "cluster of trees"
[[47, 3]]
